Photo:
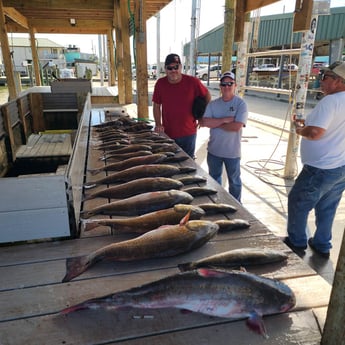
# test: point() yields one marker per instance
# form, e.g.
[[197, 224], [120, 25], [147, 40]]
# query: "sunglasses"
[[323, 76], [170, 68], [228, 83]]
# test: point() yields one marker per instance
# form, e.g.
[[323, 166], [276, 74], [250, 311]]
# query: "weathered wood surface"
[[31, 292], [46, 145]]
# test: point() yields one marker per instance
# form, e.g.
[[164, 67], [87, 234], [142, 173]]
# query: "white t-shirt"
[[224, 143], [329, 151]]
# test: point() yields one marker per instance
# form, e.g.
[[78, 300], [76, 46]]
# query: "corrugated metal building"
[[275, 32]]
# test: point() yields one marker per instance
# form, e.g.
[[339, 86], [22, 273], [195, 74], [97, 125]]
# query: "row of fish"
[[158, 208]]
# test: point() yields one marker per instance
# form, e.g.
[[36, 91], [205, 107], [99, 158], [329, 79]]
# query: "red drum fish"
[[135, 187], [140, 171], [162, 242], [131, 162], [234, 295], [236, 258], [141, 204], [148, 221], [231, 224]]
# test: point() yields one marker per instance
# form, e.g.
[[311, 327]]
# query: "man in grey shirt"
[[226, 116]]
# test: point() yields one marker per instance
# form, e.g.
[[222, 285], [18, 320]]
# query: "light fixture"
[[72, 21]]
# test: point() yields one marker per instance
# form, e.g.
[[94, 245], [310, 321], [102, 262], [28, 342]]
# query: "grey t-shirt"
[[223, 143]]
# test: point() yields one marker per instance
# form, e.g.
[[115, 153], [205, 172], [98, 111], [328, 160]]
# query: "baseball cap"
[[337, 68], [172, 58], [227, 74]]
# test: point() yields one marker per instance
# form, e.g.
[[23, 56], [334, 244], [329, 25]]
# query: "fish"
[[232, 224], [140, 171], [148, 221], [233, 295], [129, 148], [140, 204], [135, 187], [130, 162], [175, 159], [158, 243], [192, 179], [211, 208], [200, 191], [122, 156], [235, 258]]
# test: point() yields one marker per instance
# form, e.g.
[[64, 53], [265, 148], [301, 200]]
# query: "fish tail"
[[88, 225], [86, 214], [90, 185], [76, 266], [94, 171], [73, 308], [186, 266]]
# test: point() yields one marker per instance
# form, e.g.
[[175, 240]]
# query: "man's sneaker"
[[299, 250], [324, 255]]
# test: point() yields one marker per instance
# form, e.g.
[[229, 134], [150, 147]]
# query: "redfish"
[[148, 221], [161, 242], [140, 204], [236, 258], [233, 295]]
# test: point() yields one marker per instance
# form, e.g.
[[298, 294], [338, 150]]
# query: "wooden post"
[[119, 52], [127, 64], [334, 330], [6, 55], [111, 55], [35, 58], [141, 49], [228, 38]]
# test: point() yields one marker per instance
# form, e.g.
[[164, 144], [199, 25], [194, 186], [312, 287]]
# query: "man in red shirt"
[[173, 98]]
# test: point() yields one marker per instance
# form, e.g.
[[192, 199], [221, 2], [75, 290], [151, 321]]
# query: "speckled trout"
[[234, 295], [162, 242]]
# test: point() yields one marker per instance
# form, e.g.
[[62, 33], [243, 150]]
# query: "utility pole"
[[194, 35]]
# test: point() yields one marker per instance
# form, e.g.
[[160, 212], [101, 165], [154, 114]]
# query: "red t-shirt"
[[177, 100]]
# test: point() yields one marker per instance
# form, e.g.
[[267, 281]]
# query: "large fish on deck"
[[162, 242], [236, 258], [140, 171], [233, 295], [135, 187], [148, 221], [130, 162], [141, 204]]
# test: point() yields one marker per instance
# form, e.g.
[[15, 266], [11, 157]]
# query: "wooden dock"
[[31, 292]]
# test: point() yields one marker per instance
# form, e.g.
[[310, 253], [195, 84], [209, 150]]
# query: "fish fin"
[[256, 324], [242, 269], [185, 219], [207, 272], [94, 171], [90, 185], [76, 266]]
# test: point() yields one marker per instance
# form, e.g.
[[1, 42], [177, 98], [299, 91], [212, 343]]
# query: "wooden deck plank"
[[46, 145]]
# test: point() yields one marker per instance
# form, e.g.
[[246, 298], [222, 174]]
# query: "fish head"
[[195, 211], [203, 230]]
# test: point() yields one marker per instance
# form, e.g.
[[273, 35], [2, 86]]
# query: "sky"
[[175, 24]]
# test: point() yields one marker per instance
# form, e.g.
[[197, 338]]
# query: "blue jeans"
[[187, 144], [321, 190], [233, 170]]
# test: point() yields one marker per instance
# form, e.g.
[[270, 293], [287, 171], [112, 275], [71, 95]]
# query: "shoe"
[[325, 255], [299, 250]]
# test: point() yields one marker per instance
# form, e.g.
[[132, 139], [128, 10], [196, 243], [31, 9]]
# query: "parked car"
[[290, 67], [269, 67], [152, 71], [215, 72]]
